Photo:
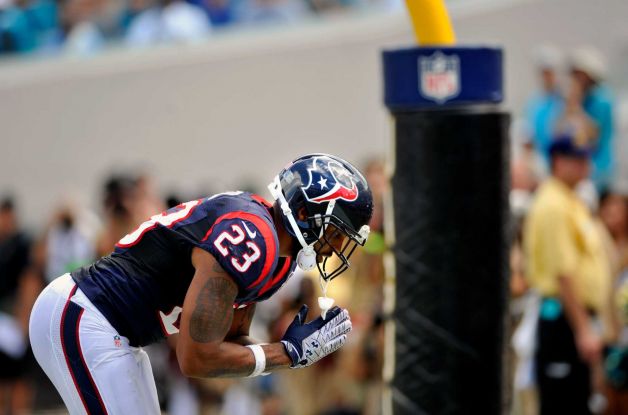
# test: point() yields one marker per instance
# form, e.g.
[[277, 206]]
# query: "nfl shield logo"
[[439, 76]]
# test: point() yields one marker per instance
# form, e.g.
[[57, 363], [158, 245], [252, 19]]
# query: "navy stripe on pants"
[[71, 344]]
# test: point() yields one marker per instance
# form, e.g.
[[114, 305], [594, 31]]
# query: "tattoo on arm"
[[218, 269], [213, 313]]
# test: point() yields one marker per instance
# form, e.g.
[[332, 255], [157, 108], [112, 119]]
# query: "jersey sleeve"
[[245, 246]]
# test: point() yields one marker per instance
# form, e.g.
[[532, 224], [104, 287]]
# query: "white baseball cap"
[[548, 57], [589, 61]]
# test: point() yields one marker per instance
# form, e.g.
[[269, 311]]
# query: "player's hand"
[[308, 343], [589, 346]]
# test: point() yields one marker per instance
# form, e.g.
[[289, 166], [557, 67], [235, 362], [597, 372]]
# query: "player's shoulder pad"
[[245, 245]]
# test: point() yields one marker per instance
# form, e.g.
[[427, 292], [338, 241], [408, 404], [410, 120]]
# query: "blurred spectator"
[[613, 213], [375, 172], [368, 359], [574, 120], [69, 243], [524, 169], [118, 195], [146, 200], [128, 200], [15, 249], [220, 12], [129, 13], [255, 12], [27, 25], [525, 176], [83, 36], [616, 361], [15, 391], [567, 265], [523, 304], [588, 71], [328, 6], [368, 275], [168, 21], [545, 106]]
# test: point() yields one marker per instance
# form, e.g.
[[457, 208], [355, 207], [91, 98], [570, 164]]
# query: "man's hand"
[[588, 342], [308, 343], [589, 346]]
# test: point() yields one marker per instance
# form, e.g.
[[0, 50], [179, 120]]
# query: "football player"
[[196, 271]]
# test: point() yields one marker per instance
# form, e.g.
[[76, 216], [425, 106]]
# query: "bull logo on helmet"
[[330, 180]]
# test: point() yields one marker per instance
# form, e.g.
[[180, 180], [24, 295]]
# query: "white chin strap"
[[306, 257]]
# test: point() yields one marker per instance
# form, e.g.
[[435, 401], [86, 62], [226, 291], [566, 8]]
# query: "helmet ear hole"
[[302, 214]]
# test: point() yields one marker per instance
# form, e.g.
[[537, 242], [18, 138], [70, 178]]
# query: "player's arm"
[[240, 326], [206, 319], [588, 342]]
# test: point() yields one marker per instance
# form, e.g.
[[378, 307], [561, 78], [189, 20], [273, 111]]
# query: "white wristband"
[[260, 359]]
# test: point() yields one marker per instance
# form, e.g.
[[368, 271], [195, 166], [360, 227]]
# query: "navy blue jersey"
[[141, 286]]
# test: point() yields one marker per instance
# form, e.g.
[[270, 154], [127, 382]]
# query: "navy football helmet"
[[337, 201]]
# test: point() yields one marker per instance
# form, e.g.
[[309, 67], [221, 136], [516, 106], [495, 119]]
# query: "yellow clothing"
[[562, 239]]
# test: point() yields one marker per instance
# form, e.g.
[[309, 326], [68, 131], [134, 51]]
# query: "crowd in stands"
[[569, 256], [347, 382], [84, 27]]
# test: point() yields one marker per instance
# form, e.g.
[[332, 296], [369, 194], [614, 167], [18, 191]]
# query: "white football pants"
[[91, 365]]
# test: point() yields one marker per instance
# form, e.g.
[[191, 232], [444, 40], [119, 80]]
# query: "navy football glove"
[[308, 343]]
